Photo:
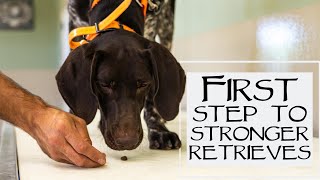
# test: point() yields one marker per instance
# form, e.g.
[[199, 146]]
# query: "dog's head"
[[115, 73]]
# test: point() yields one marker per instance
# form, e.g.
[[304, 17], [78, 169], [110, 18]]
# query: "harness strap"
[[109, 22], [94, 3], [145, 7], [144, 3]]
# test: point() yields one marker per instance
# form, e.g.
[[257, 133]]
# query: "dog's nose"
[[127, 136], [126, 142]]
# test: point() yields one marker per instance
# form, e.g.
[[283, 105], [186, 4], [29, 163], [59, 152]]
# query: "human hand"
[[64, 138]]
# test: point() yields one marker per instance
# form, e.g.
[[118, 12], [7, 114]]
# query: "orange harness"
[[109, 22]]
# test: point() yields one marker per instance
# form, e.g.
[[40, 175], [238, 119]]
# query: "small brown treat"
[[124, 158]]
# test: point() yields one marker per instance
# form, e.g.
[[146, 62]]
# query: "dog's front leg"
[[159, 136]]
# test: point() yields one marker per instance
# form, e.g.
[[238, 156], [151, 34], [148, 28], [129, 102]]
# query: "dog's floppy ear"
[[169, 80], [74, 83]]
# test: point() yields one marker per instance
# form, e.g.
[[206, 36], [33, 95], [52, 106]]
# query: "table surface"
[[144, 163], [8, 154]]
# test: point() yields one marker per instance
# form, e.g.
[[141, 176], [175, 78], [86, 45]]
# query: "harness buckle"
[[98, 31]]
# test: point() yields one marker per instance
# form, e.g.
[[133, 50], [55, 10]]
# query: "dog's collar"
[[91, 32]]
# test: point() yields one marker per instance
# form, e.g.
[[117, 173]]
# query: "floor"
[[146, 164]]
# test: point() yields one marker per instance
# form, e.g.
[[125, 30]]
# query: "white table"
[[143, 164]]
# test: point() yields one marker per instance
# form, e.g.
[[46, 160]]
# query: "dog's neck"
[[132, 17]]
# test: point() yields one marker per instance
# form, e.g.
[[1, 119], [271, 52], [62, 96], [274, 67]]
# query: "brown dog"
[[120, 72]]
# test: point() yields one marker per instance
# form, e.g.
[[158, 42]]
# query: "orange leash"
[[109, 22]]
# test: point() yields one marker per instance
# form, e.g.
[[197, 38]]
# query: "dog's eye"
[[141, 84], [110, 84]]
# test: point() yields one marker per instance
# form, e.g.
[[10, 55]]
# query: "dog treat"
[[124, 158]]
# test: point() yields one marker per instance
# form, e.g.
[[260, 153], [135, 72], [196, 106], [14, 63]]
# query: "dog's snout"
[[126, 136], [127, 140]]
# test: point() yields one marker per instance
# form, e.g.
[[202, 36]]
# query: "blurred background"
[[205, 30]]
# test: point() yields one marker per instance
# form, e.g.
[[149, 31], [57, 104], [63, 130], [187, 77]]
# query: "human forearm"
[[17, 105]]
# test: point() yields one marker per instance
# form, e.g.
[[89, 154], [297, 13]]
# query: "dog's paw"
[[163, 140]]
